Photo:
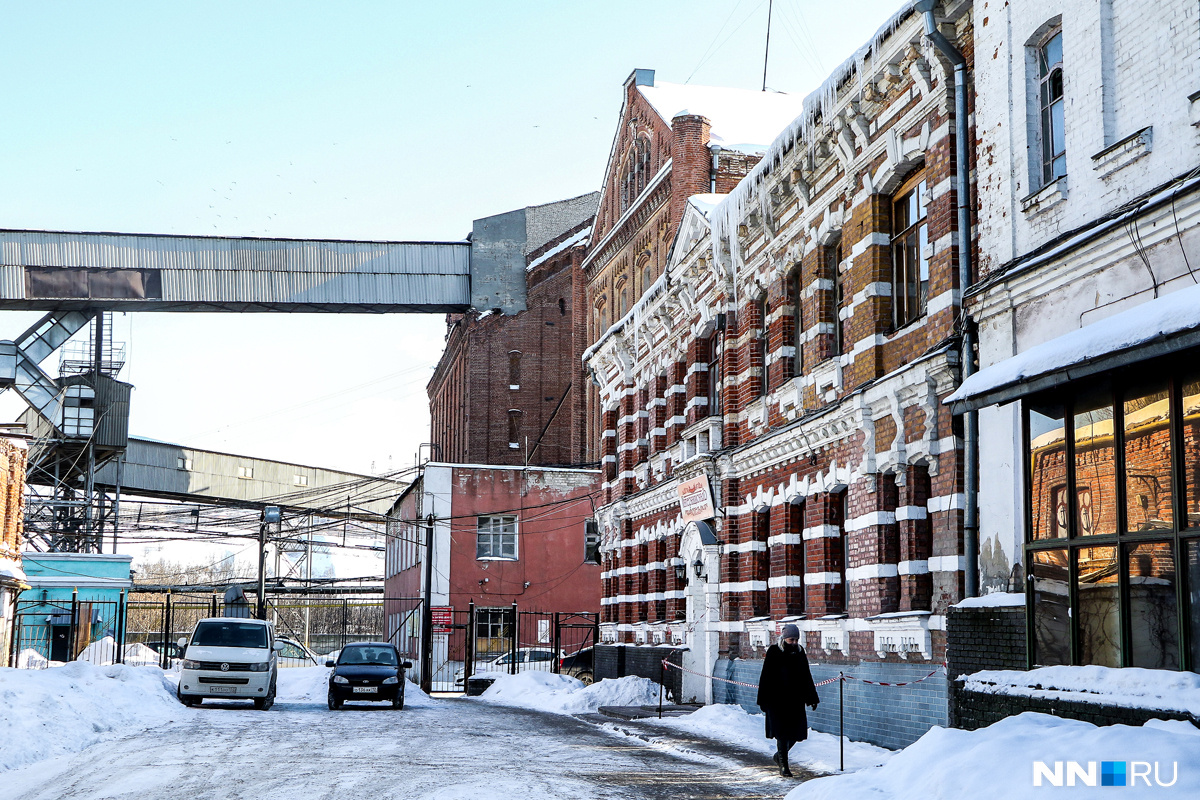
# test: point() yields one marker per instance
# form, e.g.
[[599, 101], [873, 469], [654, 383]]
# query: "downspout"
[[963, 189], [715, 149]]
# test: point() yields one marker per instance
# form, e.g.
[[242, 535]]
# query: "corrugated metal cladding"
[[227, 270]]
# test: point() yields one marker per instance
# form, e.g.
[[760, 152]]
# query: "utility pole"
[[427, 615], [767, 48], [270, 514]]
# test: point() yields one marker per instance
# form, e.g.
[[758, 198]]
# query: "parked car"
[[527, 659], [367, 671], [295, 654], [172, 648], [578, 664], [229, 658]]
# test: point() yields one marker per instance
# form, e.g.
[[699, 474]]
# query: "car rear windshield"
[[380, 656], [230, 634]]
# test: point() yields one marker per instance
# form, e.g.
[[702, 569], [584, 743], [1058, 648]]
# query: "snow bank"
[[103, 651], [60, 710], [562, 694], [993, 600], [998, 761], [1129, 687], [733, 724]]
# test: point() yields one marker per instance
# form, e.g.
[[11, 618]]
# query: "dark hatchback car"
[[367, 671]]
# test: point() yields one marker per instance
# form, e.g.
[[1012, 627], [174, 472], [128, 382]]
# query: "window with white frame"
[[300, 480], [245, 472], [1050, 107], [496, 537]]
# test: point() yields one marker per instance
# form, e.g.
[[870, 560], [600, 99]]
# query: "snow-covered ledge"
[[903, 633], [992, 600], [1128, 687]]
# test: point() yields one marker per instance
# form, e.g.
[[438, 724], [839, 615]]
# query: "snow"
[[11, 569], [563, 245], [1130, 687], [992, 600], [103, 651], [742, 119], [733, 724], [1173, 314], [997, 761], [562, 694], [706, 202], [60, 710]]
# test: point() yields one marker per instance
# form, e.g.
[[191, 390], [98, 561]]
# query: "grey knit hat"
[[790, 632]]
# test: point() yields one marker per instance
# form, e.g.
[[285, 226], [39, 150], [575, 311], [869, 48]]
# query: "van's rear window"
[[230, 634]]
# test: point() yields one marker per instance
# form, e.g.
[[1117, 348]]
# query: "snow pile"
[[993, 600], [733, 724], [32, 659], [59, 710], [11, 569], [1129, 687], [103, 651], [562, 694], [998, 761]]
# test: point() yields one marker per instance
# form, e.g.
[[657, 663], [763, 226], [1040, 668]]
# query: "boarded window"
[[106, 284]]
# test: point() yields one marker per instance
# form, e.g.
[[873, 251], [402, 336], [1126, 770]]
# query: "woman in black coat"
[[784, 689]]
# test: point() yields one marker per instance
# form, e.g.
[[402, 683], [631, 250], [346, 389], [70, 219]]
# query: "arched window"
[[910, 235], [1051, 129], [837, 298], [514, 369], [635, 174]]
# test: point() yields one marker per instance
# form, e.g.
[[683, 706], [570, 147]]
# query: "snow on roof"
[[549, 254], [1174, 314], [742, 119], [705, 203], [992, 600]]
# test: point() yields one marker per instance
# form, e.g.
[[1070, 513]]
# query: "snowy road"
[[453, 748]]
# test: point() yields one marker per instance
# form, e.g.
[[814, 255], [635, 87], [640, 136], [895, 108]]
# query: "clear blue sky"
[[339, 120]]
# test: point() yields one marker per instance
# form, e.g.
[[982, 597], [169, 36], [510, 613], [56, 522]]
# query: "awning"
[[1159, 327], [707, 536]]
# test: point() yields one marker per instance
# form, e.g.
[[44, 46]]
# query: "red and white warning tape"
[[841, 676]]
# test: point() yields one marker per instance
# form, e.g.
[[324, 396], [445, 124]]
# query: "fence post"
[[841, 722], [345, 623], [557, 639], [74, 629], [514, 649], [119, 633], [469, 666], [14, 642], [168, 624]]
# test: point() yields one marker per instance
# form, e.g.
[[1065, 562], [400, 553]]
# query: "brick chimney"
[[691, 161]]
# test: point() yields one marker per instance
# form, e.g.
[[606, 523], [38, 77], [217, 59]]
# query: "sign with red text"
[[695, 500]]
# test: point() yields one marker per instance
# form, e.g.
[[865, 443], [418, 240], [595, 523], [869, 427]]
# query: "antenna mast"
[[767, 49]]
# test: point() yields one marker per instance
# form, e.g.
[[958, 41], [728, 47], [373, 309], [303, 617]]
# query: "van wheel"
[[265, 703], [188, 700]]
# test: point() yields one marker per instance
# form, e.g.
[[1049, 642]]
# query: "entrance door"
[[60, 642]]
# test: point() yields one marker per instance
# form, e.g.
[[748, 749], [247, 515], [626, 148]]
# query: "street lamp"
[[681, 572], [270, 515], [698, 566]]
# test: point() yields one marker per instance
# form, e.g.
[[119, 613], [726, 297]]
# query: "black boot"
[[775, 758], [783, 766]]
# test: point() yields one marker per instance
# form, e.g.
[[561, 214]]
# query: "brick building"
[[12, 500], [672, 142], [1088, 395], [510, 389], [792, 359]]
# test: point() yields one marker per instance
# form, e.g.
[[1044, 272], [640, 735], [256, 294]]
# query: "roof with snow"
[[1158, 327], [742, 119]]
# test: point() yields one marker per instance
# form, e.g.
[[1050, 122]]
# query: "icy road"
[[443, 748]]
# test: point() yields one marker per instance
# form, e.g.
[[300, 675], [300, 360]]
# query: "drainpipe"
[[714, 168], [963, 189]]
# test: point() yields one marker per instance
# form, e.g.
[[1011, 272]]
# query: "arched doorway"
[[702, 605]]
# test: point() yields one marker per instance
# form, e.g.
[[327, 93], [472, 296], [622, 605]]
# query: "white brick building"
[[1089, 206]]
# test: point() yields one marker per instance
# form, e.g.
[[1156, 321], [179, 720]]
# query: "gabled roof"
[[742, 119]]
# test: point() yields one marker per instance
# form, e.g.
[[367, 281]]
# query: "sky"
[[355, 120]]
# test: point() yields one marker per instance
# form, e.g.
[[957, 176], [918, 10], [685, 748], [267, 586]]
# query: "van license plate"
[[366, 689], [223, 689]]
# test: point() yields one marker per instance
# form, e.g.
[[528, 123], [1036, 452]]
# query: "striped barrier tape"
[[841, 676]]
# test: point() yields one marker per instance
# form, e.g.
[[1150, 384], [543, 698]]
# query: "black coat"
[[784, 689]]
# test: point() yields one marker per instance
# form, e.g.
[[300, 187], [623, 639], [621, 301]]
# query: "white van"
[[230, 657]]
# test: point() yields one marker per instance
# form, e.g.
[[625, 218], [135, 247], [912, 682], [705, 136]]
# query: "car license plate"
[[223, 689], [366, 689]]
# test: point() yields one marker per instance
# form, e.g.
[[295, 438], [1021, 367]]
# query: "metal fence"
[[479, 640], [144, 630]]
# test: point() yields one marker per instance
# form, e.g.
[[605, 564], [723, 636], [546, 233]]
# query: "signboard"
[[443, 618], [695, 500]]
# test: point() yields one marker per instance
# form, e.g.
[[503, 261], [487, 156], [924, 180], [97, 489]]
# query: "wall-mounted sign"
[[695, 499]]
